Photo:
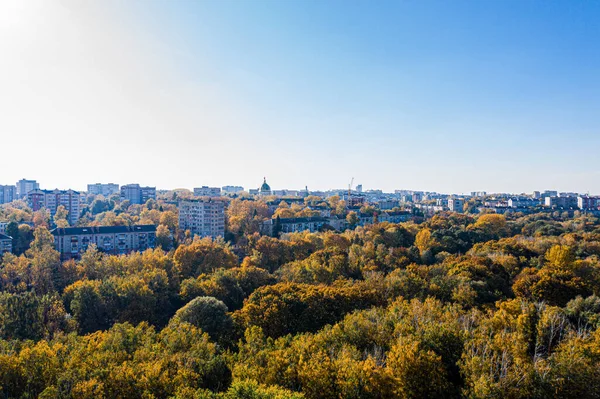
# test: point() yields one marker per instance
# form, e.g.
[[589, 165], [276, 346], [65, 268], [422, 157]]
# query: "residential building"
[[52, 199], [561, 202], [522, 202], [5, 243], [206, 191], [71, 242], [587, 203], [338, 222], [291, 225], [24, 186], [106, 190], [354, 200], [136, 194], [456, 204], [204, 218], [387, 204], [549, 193], [7, 194], [3, 227], [232, 189], [394, 217], [430, 210], [478, 193]]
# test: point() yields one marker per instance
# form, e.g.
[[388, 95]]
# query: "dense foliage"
[[474, 306]]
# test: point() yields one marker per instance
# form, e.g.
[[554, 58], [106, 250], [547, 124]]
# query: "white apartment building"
[[204, 218]]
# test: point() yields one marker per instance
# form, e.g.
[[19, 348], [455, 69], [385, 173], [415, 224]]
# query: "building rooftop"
[[69, 231]]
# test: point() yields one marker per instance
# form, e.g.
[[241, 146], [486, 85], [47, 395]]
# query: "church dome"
[[265, 187]]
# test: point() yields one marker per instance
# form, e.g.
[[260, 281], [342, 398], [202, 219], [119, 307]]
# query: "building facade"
[[456, 204], [204, 218], [560, 202], [265, 189], [232, 189], [24, 186], [291, 225], [5, 244], [71, 242], [136, 194], [587, 203], [52, 199], [106, 190], [206, 191], [7, 194]]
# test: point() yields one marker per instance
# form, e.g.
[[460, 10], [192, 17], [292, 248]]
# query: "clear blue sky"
[[449, 96]]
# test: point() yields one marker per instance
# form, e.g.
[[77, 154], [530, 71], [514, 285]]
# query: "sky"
[[447, 96]]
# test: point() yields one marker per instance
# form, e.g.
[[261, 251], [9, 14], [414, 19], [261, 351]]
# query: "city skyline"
[[197, 189], [432, 96]]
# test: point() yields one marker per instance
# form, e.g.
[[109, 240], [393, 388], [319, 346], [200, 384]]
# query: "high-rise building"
[[52, 199], [103, 189], [136, 194], [24, 186], [7, 194], [206, 191], [204, 218]]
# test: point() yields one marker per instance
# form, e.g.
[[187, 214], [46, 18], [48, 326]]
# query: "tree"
[[60, 217], [352, 219], [424, 241], [202, 256], [164, 238], [207, 313]]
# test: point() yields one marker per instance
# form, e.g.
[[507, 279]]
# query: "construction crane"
[[350, 188]]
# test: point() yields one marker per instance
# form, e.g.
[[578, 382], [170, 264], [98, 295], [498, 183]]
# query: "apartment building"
[[5, 244], [7, 194], [106, 190], [232, 189], [291, 225], [523, 202], [206, 191], [71, 242], [456, 204], [52, 199], [586, 202], [136, 194], [204, 218], [24, 186], [561, 202]]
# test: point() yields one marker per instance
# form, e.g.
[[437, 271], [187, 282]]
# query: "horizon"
[[330, 189], [446, 97]]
